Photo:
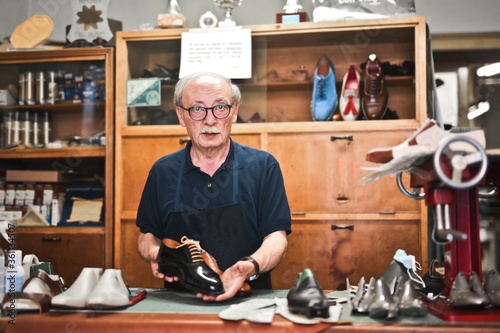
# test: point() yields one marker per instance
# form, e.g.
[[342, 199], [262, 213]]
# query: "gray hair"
[[183, 82]]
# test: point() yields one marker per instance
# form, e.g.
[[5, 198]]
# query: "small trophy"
[[228, 6], [292, 6], [292, 14]]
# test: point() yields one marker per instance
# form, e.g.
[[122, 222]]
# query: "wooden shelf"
[[58, 107], [18, 153], [60, 230]]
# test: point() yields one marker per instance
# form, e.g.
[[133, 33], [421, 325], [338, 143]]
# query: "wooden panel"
[[68, 253], [322, 175], [143, 152], [136, 272], [334, 255]]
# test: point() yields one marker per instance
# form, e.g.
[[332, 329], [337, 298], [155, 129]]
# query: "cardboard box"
[[48, 176]]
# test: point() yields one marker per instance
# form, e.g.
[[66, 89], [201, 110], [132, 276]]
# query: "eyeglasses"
[[220, 111]]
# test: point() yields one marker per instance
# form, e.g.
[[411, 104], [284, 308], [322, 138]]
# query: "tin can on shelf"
[[22, 94], [40, 90], [29, 88], [52, 87]]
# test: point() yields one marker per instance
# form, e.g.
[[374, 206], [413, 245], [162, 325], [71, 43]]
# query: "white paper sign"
[[224, 51], [90, 20]]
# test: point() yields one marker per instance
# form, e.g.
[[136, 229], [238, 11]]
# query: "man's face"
[[210, 132]]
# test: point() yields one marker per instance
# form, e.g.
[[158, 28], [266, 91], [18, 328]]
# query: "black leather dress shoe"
[[307, 298], [186, 261]]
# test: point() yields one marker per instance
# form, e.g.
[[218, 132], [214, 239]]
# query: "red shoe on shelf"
[[349, 101]]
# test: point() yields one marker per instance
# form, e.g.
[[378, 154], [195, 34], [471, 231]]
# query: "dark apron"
[[223, 231]]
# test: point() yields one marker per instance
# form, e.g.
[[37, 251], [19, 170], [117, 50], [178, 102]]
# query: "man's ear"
[[236, 108], [180, 112]]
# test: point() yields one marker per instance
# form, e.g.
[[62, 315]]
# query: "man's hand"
[[232, 279], [148, 247]]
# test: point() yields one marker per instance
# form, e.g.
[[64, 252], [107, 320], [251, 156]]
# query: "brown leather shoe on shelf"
[[375, 98]]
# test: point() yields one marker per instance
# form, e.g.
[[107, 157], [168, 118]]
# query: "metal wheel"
[[459, 161], [415, 194]]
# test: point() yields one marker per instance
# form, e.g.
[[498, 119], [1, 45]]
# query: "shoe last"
[[349, 101], [375, 97], [324, 96], [76, 296], [185, 260], [367, 297], [491, 287], [359, 294], [461, 295], [382, 303], [307, 298], [110, 291], [477, 287], [409, 303]]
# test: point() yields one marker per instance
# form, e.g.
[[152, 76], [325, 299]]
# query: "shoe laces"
[[321, 87], [375, 84], [194, 248]]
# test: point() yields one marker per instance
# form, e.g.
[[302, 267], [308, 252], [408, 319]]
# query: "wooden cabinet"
[[83, 108], [68, 249], [322, 162]]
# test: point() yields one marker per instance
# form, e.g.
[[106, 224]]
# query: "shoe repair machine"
[[450, 182]]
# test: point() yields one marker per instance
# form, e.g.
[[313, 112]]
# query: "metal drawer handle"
[[347, 137], [183, 141], [342, 199], [342, 227], [51, 239], [298, 213]]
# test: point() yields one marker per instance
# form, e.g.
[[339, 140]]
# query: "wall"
[[445, 16]]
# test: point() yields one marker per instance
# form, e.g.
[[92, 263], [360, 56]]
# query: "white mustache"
[[210, 130]]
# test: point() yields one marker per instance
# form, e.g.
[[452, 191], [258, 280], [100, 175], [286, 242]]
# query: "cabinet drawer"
[[68, 253], [321, 174], [336, 250]]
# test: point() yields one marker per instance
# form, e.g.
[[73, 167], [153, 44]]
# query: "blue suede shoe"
[[324, 96]]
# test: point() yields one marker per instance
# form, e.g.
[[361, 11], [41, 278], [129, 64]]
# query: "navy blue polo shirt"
[[260, 188]]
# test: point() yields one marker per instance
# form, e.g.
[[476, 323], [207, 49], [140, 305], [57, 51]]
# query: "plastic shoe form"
[[491, 287], [349, 101], [424, 141], [76, 296], [36, 294], [324, 96], [185, 260], [461, 295], [110, 291], [409, 303], [307, 298], [375, 96], [382, 305]]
